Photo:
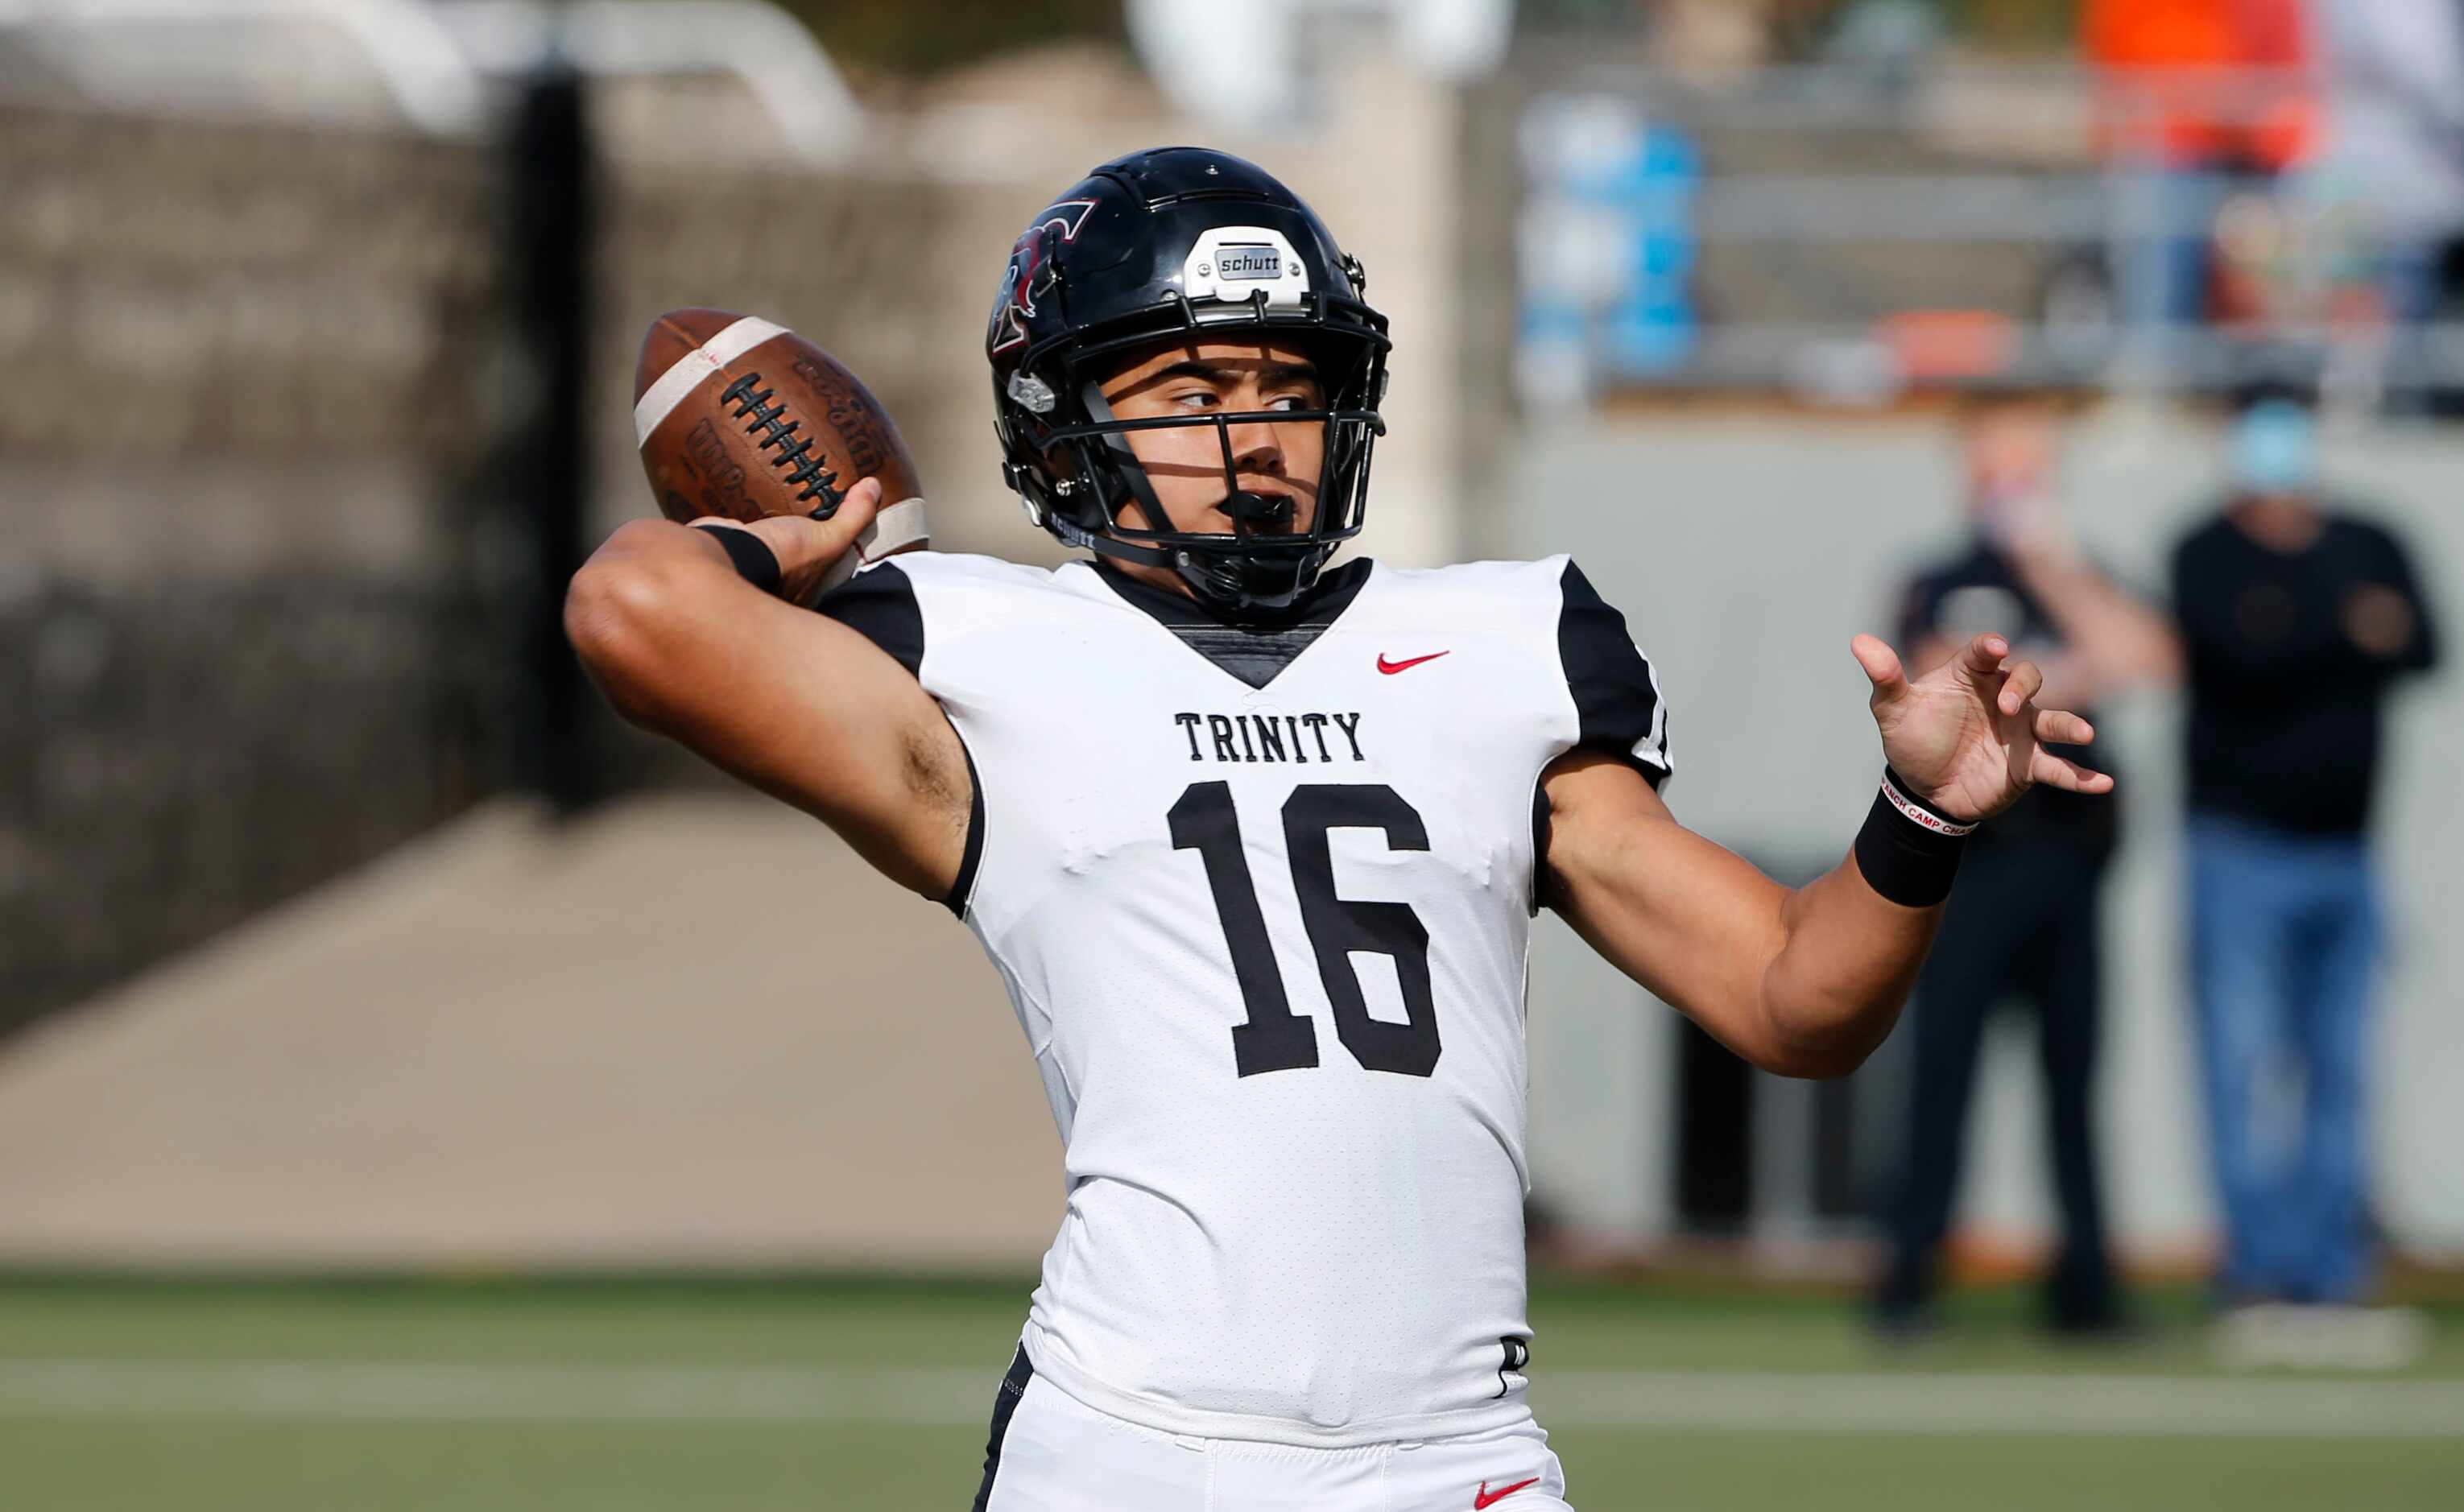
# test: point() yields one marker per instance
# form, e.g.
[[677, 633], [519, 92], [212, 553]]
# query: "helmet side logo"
[[1029, 274]]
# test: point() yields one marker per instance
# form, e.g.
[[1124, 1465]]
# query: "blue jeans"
[[2284, 944], [2160, 251]]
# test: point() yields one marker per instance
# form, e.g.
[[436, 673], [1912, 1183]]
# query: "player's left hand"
[[1967, 736]]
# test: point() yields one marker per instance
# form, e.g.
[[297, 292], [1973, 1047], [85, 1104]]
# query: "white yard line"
[[2009, 1404], [394, 1391], [385, 1390]]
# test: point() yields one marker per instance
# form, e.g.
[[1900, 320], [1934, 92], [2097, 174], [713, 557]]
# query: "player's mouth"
[[1261, 510]]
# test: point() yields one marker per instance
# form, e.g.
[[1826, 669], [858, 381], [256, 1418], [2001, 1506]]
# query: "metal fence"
[[242, 643]]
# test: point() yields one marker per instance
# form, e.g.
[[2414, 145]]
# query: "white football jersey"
[[1263, 901]]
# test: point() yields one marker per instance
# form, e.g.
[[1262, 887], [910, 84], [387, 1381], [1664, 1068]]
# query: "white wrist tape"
[[1921, 816], [897, 526]]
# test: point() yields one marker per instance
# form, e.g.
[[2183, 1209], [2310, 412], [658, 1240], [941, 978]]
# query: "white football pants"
[[1051, 1453]]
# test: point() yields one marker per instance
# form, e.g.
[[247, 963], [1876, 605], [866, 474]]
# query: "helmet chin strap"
[[1112, 547], [1220, 582]]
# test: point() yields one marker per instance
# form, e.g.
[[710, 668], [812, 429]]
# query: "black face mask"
[[1262, 564]]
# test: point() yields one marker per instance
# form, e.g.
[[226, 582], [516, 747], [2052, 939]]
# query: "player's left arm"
[[1802, 981]]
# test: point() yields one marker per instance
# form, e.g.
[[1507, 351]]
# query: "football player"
[[1256, 843]]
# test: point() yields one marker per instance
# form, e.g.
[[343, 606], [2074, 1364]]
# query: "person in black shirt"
[[2299, 619], [2023, 919]]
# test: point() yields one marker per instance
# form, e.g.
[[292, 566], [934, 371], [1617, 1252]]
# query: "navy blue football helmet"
[[1181, 242]]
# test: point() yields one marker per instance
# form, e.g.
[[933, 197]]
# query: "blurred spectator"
[[2299, 619], [2023, 920], [2192, 93]]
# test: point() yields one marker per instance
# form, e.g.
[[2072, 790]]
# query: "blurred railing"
[[1850, 233]]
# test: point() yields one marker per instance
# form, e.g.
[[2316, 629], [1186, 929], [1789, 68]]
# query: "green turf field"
[[617, 1396]]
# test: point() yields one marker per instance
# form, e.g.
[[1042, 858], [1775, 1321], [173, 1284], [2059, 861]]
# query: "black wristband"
[[755, 561], [1910, 850]]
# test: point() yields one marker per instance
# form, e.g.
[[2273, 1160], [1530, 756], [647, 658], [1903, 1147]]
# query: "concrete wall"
[[1746, 547]]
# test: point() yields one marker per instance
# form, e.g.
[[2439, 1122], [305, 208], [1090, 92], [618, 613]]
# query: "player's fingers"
[[864, 499], [2069, 775], [2022, 684], [806, 538], [2063, 728], [1881, 666]]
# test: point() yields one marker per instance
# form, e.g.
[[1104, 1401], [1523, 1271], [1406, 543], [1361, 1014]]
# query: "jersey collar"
[[1254, 652]]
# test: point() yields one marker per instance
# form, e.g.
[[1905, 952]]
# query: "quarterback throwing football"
[[1256, 843]]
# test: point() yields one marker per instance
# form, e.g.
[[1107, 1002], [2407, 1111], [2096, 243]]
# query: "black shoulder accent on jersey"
[[962, 891], [1253, 650], [879, 604], [1615, 698], [1540, 832], [1013, 1389]]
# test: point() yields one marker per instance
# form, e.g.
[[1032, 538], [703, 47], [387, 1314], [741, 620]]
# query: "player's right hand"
[[807, 548]]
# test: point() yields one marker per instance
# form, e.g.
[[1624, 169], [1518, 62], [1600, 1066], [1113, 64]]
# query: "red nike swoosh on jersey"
[[1484, 1497], [1390, 669]]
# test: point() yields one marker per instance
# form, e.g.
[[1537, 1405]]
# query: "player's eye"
[[1196, 399]]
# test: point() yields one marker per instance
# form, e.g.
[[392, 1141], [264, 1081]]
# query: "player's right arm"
[[792, 702]]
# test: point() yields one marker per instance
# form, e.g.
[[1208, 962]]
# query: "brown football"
[[740, 418]]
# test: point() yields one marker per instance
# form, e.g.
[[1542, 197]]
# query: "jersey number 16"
[[1276, 1038]]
